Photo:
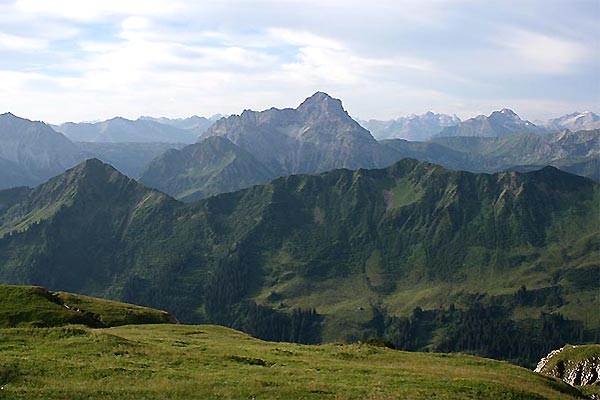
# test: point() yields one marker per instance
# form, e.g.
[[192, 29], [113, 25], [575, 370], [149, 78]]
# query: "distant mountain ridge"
[[194, 123], [576, 152], [577, 121], [129, 158], [414, 127], [317, 136], [121, 130], [499, 123]]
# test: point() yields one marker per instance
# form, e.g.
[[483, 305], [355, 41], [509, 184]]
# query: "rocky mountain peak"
[[322, 103]]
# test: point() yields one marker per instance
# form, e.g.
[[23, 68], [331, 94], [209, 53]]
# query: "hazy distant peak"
[[412, 127], [575, 121], [118, 119], [508, 111], [499, 123], [505, 114]]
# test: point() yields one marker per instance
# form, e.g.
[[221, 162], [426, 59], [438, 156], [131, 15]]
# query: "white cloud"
[[99, 58], [321, 59], [135, 23], [86, 10], [539, 53], [21, 43]]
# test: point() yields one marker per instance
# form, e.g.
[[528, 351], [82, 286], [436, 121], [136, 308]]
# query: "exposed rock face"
[[576, 365], [317, 136]]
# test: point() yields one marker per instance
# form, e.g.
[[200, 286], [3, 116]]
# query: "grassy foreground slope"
[[209, 362], [34, 306]]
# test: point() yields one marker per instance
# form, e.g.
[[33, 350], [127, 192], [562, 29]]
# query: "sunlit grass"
[[206, 362]]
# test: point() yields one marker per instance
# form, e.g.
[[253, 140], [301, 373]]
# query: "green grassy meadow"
[[210, 362]]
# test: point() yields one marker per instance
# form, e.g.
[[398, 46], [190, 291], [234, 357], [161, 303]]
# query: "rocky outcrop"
[[576, 365]]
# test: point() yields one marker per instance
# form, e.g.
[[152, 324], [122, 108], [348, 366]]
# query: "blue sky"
[[73, 60]]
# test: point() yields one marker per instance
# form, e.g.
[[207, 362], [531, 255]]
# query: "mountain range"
[[319, 136], [371, 252], [414, 127], [259, 146], [500, 123], [194, 123], [576, 152], [254, 147], [497, 124], [119, 130]]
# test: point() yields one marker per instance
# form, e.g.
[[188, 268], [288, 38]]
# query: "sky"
[[84, 60]]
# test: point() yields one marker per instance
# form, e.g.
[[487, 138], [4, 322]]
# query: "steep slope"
[[576, 121], [317, 136], [27, 306], [74, 220], [31, 152], [414, 127], [210, 362], [201, 170], [364, 248], [121, 130], [497, 124]]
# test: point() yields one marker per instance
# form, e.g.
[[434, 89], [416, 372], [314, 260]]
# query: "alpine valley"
[[297, 225]]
